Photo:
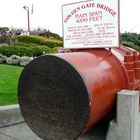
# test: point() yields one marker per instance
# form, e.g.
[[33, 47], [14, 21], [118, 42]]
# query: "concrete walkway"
[[17, 132], [13, 127], [22, 132]]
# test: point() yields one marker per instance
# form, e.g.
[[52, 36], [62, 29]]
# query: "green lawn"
[[9, 76]]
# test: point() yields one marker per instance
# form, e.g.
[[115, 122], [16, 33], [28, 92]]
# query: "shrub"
[[39, 40], [24, 51], [5, 39], [1, 58], [3, 44], [4, 59], [39, 50], [137, 42], [24, 60], [54, 50], [14, 60], [53, 44], [8, 51], [130, 44], [22, 44], [131, 40], [50, 35]]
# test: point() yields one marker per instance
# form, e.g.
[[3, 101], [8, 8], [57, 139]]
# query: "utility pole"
[[28, 17]]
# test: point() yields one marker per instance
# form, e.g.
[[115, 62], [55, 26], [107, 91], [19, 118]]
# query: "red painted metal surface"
[[105, 73]]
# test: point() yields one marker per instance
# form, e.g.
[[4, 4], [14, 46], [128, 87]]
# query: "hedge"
[[24, 51], [50, 35], [40, 41], [22, 44]]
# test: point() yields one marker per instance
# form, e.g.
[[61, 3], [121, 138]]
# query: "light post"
[[28, 17]]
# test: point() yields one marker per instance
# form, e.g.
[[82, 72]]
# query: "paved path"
[[17, 132], [22, 132], [13, 127]]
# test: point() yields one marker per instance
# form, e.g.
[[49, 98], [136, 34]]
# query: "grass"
[[9, 76]]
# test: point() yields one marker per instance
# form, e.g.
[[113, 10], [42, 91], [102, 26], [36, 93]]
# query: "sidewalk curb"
[[10, 115]]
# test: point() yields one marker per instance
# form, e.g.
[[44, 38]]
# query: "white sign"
[[91, 24]]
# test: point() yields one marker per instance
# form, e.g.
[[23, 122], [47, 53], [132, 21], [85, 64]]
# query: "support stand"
[[127, 123]]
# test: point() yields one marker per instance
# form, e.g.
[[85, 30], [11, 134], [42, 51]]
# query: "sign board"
[[91, 24]]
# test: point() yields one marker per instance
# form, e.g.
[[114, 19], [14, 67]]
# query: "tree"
[[4, 29]]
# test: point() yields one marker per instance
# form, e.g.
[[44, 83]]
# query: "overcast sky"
[[47, 14]]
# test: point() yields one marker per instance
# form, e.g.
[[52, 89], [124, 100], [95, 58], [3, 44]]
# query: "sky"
[[47, 14]]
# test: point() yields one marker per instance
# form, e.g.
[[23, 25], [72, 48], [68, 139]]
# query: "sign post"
[[91, 24]]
